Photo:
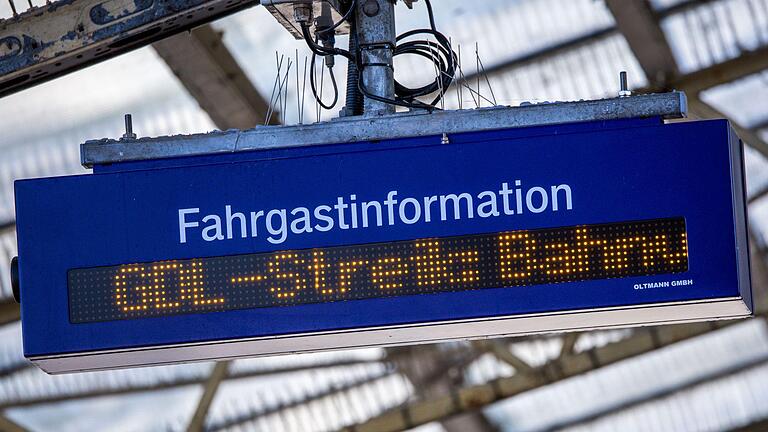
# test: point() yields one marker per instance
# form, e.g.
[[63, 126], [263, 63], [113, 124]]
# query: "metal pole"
[[376, 34]]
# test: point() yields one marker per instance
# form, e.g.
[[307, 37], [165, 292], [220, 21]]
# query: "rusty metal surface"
[[45, 42]]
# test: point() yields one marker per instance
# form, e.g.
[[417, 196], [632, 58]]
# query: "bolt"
[[624, 92], [129, 135], [302, 13], [371, 8]]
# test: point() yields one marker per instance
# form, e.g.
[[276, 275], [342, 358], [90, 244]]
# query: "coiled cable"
[[439, 52]]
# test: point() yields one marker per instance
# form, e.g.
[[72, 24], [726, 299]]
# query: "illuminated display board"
[[628, 222], [423, 266]]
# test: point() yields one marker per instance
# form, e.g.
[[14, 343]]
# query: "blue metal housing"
[[620, 170]]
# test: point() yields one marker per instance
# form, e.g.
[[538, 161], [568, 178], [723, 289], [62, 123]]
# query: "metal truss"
[[49, 41], [213, 77], [439, 396], [85, 391]]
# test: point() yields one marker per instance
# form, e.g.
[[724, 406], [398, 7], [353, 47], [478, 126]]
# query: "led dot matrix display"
[[422, 266]]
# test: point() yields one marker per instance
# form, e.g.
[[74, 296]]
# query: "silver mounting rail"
[[355, 129]]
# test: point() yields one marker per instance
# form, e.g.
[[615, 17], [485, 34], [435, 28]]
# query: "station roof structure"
[[693, 377]]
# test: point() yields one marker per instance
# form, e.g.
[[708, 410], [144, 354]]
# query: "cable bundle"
[[440, 53]]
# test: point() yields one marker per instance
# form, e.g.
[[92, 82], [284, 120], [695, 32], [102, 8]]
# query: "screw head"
[[303, 13], [371, 8]]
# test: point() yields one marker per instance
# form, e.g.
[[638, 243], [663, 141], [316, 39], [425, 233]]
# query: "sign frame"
[[736, 304]]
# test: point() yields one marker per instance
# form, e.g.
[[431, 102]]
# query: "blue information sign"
[[574, 226]]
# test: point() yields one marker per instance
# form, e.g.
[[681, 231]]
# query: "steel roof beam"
[[66, 35], [576, 42], [7, 226], [501, 350], [701, 109], [757, 426], [639, 24], [218, 374], [210, 73], [186, 381], [250, 417], [429, 367], [472, 398], [747, 63], [9, 310], [614, 409], [8, 425], [52, 40]]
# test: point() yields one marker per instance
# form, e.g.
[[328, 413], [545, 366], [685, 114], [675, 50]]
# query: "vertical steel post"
[[376, 34]]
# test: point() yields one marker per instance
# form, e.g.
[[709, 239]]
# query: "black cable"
[[320, 50], [324, 51], [431, 15], [354, 98], [313, 85], [346, 17], [440, 53]]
